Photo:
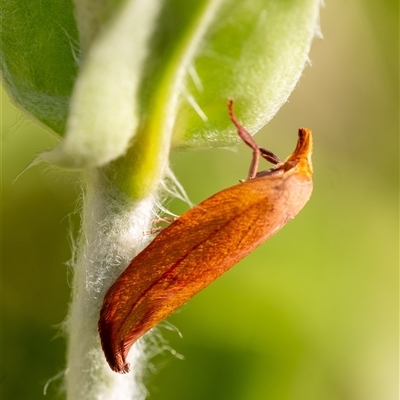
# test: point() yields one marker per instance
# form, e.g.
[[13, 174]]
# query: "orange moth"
[[202, 244]]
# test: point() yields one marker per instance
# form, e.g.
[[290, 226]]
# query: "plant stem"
[[113, 231]]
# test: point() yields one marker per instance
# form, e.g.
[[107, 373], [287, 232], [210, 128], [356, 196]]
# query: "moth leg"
[[269, 156], [246, 137], [257, 150]]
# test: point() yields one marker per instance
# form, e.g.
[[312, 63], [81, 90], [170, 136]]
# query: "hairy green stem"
[[113, 230]]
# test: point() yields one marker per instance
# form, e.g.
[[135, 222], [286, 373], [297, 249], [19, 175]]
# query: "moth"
[[203, 243]]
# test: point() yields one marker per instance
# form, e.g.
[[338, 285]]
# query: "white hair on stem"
[[111, 235]]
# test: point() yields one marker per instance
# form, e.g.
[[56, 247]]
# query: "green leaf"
[[254, 52], [38, 54], [104, 106]]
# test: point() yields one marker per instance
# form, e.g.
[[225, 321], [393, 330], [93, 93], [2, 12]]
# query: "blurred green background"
[[313, 313]]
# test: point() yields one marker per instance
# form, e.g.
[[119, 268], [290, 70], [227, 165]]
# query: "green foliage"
[[153, 74], [39, 51]]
